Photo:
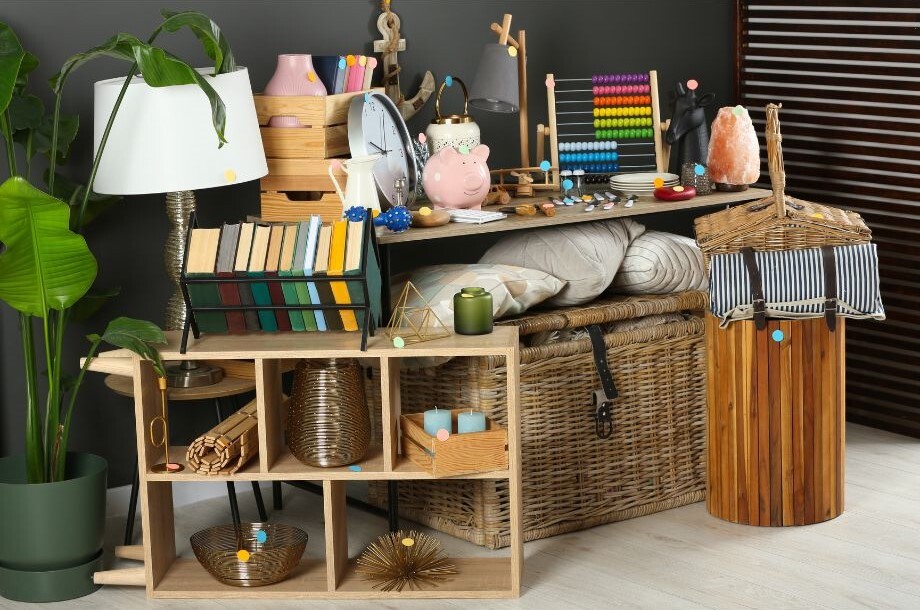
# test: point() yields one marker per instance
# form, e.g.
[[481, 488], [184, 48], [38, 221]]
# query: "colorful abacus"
[[624, 113]]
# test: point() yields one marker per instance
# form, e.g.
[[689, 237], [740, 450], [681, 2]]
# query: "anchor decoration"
[[388, 25]]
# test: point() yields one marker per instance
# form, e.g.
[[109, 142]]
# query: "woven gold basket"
[[571, 479], [219, 549], [778, 222]]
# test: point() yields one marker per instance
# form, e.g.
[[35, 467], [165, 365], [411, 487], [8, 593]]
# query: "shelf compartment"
[[186, 578], [459, 454], [477, 577]]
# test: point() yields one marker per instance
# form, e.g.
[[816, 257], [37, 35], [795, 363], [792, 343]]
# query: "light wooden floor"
[[867, 558]]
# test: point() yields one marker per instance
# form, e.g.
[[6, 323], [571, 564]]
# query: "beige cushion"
[[513, 289], [585, 256], [661, 263]]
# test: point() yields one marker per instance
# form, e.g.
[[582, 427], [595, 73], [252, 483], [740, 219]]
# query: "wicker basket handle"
[[775, 159]]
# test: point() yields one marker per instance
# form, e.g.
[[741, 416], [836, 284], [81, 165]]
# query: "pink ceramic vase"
[[293, 76]]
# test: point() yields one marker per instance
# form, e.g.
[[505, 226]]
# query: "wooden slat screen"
[[847, 73]]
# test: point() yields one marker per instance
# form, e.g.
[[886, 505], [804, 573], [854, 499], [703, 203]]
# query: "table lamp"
[[163, 141]]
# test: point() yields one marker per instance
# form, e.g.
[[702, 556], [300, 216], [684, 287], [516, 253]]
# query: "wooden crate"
[[312, 111], [468, 453], [305, 143], [301, 175]]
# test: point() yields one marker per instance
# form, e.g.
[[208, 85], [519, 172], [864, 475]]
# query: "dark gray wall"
[[680, 39]]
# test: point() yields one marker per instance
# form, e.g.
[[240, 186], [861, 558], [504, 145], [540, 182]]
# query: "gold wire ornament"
[[405, 559], [413, 324], [162, 421]]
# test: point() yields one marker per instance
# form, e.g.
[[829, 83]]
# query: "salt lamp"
[[734, 153]]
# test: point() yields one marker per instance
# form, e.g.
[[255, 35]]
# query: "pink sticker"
[[550, 83], [443, 435], [422, 138], [335, 164], [692, 84]]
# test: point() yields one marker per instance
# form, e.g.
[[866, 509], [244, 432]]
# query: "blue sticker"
[[342, 63], [544, 165], [566, 184], [778, 335], [449, 80], [367, 97], [464, 150], [699, 170], [354, 468], [261, 536]]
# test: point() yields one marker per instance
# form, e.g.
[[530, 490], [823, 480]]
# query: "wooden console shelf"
[[170, 576]]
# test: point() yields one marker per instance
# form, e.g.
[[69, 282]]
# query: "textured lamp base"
[[179, 207]]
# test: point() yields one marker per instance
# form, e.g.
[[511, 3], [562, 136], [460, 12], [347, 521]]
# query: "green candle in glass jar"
[[473, 311]]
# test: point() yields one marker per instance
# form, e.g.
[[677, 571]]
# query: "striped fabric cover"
[[793, 284]]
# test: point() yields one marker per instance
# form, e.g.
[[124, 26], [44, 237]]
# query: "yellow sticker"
[[424, 211], [408, 542], [376, 213], [658, 182], [817, 215], [362, 60], [243, 555], [512, 51], [230, 175], [311, 76], [678, 189]]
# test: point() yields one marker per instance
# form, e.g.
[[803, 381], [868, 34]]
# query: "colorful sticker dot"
[[550, 83], [375, 213], [778, 335], [172, 467], [464, 150], [311, 76], [692, 84], [658, 182], [408, 542], [335, 164], [544, 165], [354, 468], [261, 536], [443, 435], [566, 184], [678, 189], [362, 60], [738, 110], [399, 342], [230, 175], [422, 138], [512, 51], [424, 211], [342, 64], [699, 170], [367, 97], [350, 60], [449, 80], [243, 555], [817, 215]]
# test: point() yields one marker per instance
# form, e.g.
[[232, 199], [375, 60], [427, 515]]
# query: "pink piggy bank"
[[454, 180]]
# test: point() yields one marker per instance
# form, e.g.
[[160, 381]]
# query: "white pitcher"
[[361, 189]]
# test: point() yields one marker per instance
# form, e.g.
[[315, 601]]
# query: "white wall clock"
[[375, 126]]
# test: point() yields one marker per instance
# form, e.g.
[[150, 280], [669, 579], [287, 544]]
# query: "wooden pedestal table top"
[[228, 386]]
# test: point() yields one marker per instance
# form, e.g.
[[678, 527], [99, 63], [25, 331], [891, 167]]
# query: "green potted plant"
[[52, 511]]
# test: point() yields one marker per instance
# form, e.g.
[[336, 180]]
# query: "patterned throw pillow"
[[661, 263], [514, 289]]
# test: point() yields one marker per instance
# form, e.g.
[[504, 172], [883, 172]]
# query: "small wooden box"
[[279, 207], [460, 454], [301, 175], [311, 111], [305, 142]]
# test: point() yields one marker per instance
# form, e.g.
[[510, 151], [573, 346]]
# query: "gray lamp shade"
[[496, 85]]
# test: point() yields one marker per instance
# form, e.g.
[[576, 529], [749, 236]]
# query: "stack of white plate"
[[641, 183]]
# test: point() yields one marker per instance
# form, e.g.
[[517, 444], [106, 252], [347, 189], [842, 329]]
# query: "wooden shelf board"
[[289, 468], [566, 215], [477, 577], [332, 344], [186, 578]]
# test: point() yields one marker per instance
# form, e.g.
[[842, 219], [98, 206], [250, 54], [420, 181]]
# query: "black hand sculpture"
[[688, 133]]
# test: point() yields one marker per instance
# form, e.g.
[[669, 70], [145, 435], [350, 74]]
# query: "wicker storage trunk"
[[572, 479]]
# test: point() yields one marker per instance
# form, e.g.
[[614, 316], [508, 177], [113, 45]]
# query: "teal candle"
[[473, 421], [436, 419], [473, 311]]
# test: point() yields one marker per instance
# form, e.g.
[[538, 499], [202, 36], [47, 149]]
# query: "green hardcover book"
[[286, 269], [256, 268], [201, 261], [300, 253]]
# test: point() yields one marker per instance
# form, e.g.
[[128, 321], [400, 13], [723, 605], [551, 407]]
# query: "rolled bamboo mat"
[[227, 446]]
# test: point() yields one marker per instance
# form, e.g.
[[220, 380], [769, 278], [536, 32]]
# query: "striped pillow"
[[793, 284]]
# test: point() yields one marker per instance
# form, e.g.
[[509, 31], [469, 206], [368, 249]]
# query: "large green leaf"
[[11, 55], [158, 69], [26, 112], [45, 265], [29, 63], [214, 42], [139, 336], [68, 126]]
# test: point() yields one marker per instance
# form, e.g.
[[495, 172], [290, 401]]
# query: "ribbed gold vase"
[[328, 424]]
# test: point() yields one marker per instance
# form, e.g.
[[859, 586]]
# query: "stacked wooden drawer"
[[298, 183]]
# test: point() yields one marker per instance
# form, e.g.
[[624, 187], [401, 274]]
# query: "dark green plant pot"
[[51, 533]]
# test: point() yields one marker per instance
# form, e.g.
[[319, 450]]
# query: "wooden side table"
[[226, 388]]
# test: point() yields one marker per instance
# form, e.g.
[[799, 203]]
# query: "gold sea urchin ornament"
[[400, 559]]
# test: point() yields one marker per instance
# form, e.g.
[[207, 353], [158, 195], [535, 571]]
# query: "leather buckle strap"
[[756, 280], [830, 286], [602, 399]]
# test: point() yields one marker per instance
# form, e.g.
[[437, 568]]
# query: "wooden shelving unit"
[[169, 576]]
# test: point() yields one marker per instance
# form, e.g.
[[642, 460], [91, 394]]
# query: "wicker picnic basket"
[[778, 222], [572, 479]]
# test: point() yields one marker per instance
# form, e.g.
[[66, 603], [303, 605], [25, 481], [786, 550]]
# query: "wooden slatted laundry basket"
[[776, 400]]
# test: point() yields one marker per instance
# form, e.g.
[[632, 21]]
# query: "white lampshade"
[[163, 140]]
